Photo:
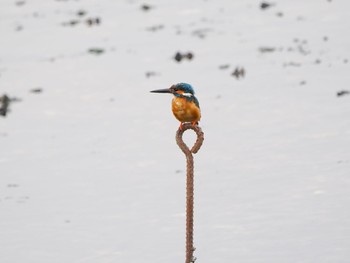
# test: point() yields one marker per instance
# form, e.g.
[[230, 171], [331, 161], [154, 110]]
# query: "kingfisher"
[[185, 105]]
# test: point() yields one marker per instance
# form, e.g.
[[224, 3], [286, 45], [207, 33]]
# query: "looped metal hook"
[[197, 145], [189, 183]]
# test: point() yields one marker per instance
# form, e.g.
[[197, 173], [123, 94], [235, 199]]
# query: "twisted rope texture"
[[190, 183]]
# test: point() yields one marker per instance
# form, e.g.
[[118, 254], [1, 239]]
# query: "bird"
[[185, 106]]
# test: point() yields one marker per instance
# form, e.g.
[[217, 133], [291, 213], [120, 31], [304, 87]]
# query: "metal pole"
[[189, 184]]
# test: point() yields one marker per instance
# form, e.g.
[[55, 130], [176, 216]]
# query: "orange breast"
[[185, 111]]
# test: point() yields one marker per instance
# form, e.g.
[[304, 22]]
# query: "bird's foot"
[[195, 123], [180, 126]]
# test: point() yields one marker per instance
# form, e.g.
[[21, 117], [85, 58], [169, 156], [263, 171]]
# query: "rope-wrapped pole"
[[189, 183]]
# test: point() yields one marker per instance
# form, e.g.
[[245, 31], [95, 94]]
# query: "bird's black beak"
[[162, 91]]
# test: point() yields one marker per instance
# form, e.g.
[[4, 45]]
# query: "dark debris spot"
[[12, 185], [4, 104], [291, 64], [81, 13], [267, 49], [19, 28], [20, 3], [303, 51], [238, 73], [146, 7], [180, 56], [155, 28], [342, 93], [265, 5], [36, 90], [201, 33], [224, 66], [72, 22], [95, 21], [90, 21], [96, 51], [150, 74]]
